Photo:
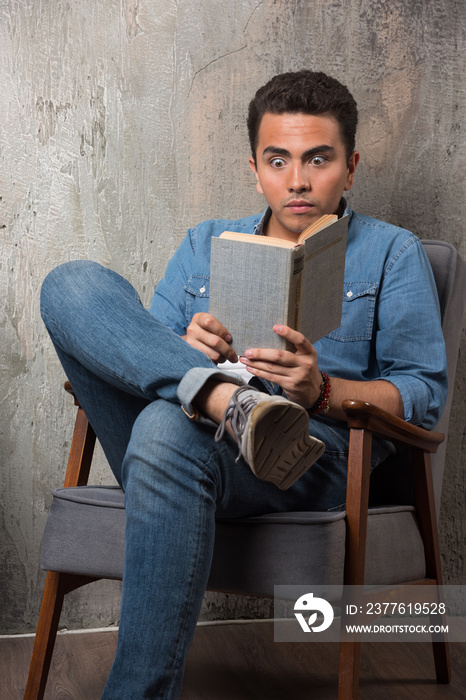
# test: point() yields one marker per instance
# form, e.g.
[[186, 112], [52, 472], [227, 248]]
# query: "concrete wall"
[[122, 123]]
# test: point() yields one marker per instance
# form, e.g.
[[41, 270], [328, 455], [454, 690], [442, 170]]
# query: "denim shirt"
[[390, 328]]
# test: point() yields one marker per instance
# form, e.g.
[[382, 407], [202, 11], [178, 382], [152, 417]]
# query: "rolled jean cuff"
[[192, 383]]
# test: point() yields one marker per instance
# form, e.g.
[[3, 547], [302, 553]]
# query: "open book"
[[259, 281]]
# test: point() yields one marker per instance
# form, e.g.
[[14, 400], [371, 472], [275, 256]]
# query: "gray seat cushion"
[[85, 530]]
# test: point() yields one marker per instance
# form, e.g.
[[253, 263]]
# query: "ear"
[[253, 167], [352, 165]]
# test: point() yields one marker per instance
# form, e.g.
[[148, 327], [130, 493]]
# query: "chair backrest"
[[450, 276], [391, 482]]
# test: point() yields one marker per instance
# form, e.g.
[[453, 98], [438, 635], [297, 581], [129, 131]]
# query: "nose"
[[298, 180]]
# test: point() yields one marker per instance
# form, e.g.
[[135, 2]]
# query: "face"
[[301, 169]]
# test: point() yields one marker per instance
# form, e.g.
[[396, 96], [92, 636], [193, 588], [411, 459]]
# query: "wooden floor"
[[241, 662]]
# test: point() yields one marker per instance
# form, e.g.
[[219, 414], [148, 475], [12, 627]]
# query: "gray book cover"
[[255, 286]]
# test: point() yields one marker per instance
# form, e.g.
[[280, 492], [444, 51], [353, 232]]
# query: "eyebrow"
[[307, 154]]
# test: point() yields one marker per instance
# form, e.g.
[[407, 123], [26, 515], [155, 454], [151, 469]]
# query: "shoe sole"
[[280, 448]]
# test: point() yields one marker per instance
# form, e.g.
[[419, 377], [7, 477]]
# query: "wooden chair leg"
[[57, 585], [47, 626], [425, 508], [442, 661], [348, 685], [357, 500]]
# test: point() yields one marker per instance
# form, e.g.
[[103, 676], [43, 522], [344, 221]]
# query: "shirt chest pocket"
[[358, 311], [197, 295]]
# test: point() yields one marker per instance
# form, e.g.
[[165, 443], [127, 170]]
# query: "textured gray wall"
[[122, 123]]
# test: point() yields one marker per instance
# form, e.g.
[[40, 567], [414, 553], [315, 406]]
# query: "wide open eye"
[[318, 160]]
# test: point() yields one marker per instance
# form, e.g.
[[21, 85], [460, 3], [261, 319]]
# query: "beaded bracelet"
[[322, 404]]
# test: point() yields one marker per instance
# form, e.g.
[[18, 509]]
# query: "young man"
[[131, 369]]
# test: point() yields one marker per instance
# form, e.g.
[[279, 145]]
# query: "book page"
[[321, 223], [261, 240], [318, 225]]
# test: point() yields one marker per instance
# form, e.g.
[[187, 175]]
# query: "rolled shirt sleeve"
[[408, 311]]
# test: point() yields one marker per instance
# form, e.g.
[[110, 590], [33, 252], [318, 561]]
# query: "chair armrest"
[[82, 446], [365, 420], [364, 415], [68, 388]]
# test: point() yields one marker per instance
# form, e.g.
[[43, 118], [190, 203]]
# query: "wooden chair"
[[374, 544]]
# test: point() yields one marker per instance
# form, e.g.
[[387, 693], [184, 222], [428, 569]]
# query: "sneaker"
[[272, 435]]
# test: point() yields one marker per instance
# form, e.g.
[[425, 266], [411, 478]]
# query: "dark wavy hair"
[[305, 92]]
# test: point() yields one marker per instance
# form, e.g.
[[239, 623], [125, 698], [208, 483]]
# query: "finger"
[[198, 345], [215, 355], [268, 368], [211, 325], [224, 350], [271, 356], [204, 329], [217, 347], [284, 380], [302, 344]]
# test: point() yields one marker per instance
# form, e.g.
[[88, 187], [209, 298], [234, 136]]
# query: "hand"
[[207, 334], [296, 372]]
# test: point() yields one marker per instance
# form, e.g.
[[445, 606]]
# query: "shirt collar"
[[259, 228]]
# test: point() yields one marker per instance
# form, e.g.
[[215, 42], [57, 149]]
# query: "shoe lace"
[[237, 412]]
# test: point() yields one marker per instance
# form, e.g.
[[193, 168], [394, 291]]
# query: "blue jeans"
[[130, 374]]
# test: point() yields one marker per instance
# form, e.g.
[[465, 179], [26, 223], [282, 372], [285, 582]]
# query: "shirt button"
[[349, 294]]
